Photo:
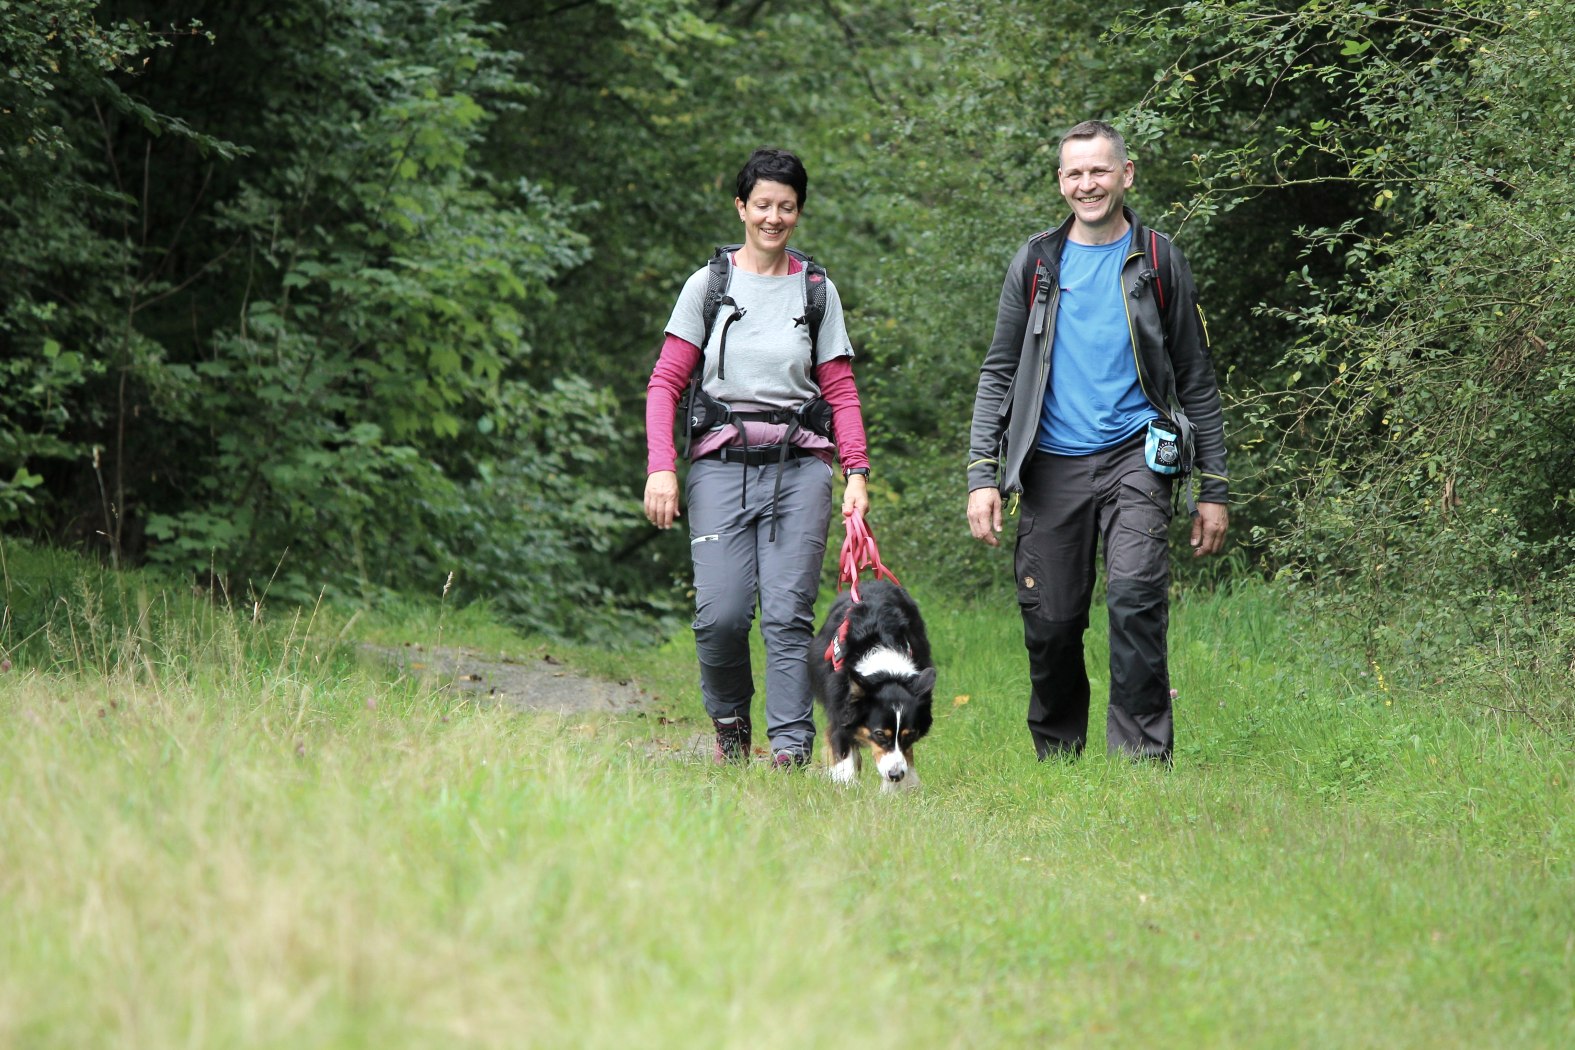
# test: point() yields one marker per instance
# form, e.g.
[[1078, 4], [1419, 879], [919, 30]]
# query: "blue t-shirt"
[[1094, 401]]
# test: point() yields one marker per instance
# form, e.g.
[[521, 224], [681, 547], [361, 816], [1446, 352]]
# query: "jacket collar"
[[1057, 236]]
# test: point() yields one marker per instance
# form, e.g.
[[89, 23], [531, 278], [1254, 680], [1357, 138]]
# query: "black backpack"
[[1160, 275], [698, 410], [719, 269]]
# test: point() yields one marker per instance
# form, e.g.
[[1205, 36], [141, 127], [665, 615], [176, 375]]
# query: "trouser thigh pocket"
[[1028, 564], [1137, 546]]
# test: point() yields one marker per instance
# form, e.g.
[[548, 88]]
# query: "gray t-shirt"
[[767, 360]]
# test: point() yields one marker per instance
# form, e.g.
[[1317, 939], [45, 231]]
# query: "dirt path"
[[542, 683], [531, 683]]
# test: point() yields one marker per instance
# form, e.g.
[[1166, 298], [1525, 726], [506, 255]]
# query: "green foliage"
[[379, 356], [356, 295], [309, 368], [615, 122], [1423, 426], [962, 173], [57, 282], [55, 46], [544, 522]]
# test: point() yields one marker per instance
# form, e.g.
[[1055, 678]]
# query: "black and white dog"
[[870, 668]]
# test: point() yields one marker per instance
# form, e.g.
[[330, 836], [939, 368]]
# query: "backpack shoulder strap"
[[1040, 275], [718, 270], [1159, 259], [814, 299], [1041, 266]]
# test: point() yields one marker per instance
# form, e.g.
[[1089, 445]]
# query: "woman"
[[759, 488]]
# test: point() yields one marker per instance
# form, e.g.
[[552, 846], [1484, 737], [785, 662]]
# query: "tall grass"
[[244, 838]]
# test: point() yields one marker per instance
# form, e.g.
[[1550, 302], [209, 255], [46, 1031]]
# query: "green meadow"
[[221, 827]]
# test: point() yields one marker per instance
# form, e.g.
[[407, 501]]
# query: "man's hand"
[[661, 498], [984, 514], [856, 496], [1208, 529]]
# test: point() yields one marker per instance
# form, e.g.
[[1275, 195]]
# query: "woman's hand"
[[856, 496], [661, 498]]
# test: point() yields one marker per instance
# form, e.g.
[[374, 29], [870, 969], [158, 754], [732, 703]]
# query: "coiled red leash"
[[859, 552]]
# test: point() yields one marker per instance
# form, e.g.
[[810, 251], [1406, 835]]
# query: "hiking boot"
[[788, 760], [732, 739]]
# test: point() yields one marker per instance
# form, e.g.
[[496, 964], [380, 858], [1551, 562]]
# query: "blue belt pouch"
[[1162, 448]]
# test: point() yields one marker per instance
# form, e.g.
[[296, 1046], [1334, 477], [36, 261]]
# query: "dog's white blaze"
[[844, 772], [892, 765], [885, 660]]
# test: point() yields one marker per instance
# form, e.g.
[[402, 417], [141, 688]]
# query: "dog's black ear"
[[856, 689], [923, 683]]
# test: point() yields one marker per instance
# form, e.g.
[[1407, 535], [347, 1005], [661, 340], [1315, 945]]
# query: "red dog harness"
[[836, 652]]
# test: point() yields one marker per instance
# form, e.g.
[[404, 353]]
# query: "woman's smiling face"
[[769, 216]]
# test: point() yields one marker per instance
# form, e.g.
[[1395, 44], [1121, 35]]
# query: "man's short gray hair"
[[1096, 129]]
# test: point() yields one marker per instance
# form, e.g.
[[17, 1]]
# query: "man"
[[1100, 355]]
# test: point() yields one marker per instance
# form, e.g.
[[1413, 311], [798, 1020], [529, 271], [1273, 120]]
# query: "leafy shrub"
[[1422, 434]]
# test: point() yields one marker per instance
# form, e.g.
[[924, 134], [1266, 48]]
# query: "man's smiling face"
[[1094, 181]]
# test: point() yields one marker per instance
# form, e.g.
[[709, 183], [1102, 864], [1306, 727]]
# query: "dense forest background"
[[343, 296]]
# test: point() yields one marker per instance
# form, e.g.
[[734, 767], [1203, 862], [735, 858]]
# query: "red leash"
[[859, 552]]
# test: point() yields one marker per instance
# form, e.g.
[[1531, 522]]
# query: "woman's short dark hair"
[[773, 165]]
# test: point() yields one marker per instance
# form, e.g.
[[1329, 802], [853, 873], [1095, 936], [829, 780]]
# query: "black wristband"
[[848, 472]]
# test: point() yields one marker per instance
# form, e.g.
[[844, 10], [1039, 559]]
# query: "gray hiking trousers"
[[1070, 504], [731, 512]]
